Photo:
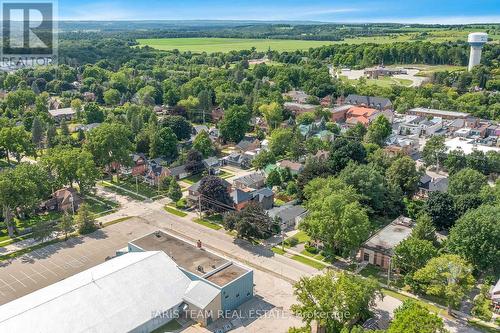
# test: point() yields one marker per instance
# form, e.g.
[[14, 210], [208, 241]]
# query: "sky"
[[356, 11]]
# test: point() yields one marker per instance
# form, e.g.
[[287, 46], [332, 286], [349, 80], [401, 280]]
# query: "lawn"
[[383, 81], [302, 237], [428, 70], [210, 45], [196, 178], [137, 187], [98, 205], [175, 211], [317, 256], [278, 250], [309, 262], [193, 178], [208, 224]]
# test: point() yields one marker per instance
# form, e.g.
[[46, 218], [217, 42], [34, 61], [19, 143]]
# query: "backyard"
[[97, 205]]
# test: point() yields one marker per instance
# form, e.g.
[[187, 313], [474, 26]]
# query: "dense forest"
[[253, 29]]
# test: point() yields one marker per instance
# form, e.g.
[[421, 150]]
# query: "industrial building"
[[155, 279]]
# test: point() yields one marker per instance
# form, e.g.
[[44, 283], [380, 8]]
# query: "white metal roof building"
[[437, 113], [119, 295], [63, 112]]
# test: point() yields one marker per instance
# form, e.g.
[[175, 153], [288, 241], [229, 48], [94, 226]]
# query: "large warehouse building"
[[157, 278]]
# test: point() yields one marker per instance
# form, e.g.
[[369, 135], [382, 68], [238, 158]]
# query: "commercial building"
[[425, 112], [233, 281], [138, 291], [378, 249]]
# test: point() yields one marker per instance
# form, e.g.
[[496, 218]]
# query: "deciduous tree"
[[335, 215], [476, 237], [411, 317], [447, 276], [334, 300]]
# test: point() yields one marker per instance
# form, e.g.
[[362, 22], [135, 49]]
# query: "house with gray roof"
[[253, 180], [379, 103], [430, 184], [290, 215]]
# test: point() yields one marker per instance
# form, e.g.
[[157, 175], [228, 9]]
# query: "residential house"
[[407, 145], [197, 129], [140, 164], [296, 96], [86, 127], [363, 115], [238, 160], [194, 194], [290, 215], [242, 197], [248, 143], [178, 172], [379, 103], [295, 167], [63, 200], [339, 113], [297, 108], [157, 169], [430, 184], [379, 248], [212, 164], [265, 197], [326, 101], [254, 180], [63, 113]]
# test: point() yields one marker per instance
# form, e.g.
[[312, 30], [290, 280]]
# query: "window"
[[366, 257]]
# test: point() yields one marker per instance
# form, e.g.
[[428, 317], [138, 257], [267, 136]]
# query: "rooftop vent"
[[200, 269]]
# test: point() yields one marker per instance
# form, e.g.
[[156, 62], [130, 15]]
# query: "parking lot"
[[56, 262]]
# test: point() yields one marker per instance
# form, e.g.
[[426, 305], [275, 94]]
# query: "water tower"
[[476, 41]]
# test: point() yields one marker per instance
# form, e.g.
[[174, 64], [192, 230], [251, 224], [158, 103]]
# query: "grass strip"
[[175, 211]]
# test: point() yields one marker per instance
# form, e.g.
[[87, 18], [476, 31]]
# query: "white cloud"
[[427, 20]]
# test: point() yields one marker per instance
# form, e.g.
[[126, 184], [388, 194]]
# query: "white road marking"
[[29, 277], [38, 272], [21, 282], [47, 269], [8, 285]]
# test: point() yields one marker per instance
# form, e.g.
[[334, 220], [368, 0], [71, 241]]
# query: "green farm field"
[[210, 45]]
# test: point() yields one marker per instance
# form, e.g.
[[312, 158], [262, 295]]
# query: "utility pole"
[[389, 273], [199, 205]]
